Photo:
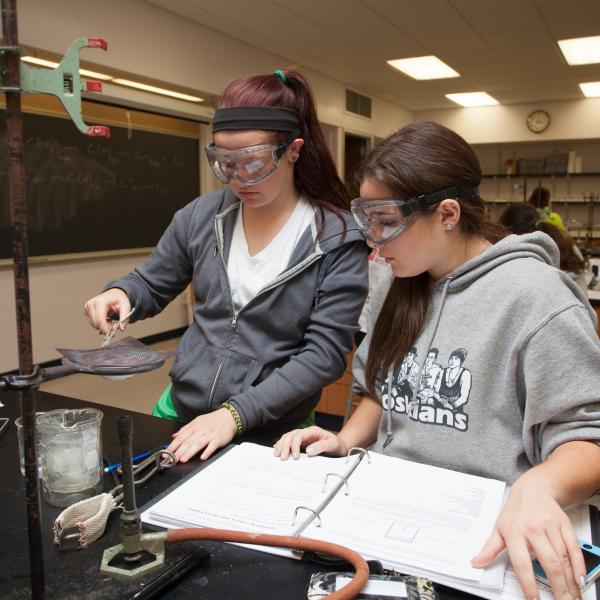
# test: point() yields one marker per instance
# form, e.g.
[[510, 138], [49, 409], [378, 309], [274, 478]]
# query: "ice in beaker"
[[71, 455]]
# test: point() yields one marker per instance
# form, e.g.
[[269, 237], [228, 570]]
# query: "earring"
[[449, 227], [294, 158]]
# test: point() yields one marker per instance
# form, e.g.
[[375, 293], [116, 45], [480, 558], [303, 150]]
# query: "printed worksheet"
[[409, 514], [248, 489]]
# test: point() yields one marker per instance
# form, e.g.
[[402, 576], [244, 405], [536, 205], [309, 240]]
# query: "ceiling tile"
[[508, 15], [557, 11], [434, 24], [216, 22], [506, 48], [566, 29], [181, 7]]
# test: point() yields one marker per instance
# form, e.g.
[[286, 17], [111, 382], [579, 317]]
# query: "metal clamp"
[[21, 382], [63, 81]]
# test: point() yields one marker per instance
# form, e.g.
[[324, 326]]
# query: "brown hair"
[[569, 261], [523, 217], [520, 218], [315, 174], [419, 158], [540, 197]]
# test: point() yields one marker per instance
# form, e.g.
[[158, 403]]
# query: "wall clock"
[[538, 121]]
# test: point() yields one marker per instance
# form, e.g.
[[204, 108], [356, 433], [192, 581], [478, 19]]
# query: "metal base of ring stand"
[[139, 553]]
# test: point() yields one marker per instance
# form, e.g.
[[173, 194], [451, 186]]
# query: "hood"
[[537, 245]]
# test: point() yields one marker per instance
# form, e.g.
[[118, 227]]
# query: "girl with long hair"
[[496, 308], [271, 258], [523, 217]]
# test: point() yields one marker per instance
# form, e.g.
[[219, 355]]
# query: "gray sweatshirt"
[[506, 368], [271, 358]]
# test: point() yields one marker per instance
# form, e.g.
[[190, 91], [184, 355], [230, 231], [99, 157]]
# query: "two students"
[[279, 274], [520, 399]]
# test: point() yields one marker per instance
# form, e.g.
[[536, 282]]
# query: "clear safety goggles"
[[380, 221], [249, 165]]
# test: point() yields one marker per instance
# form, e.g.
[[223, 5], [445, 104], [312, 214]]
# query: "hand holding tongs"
[[113, 328]]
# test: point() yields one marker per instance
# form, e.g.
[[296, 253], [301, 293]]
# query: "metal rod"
[[125, 429], [18, 214]]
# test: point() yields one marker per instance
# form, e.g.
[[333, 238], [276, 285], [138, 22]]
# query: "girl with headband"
[[520, 398], [272, 257]]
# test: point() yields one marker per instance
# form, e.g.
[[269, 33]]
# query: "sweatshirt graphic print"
[[442, 393]]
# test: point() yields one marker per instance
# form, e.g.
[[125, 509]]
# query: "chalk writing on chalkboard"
[[89, 194]]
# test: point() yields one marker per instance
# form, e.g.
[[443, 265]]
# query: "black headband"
[[265, 118]]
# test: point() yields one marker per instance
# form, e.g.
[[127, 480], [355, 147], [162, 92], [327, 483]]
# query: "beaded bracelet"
[[236, 417]]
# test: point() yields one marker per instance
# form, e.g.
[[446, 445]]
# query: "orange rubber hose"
[[283, 541]]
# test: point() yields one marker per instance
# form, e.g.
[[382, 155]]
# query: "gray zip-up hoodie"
[[506, 368], [271, 358]]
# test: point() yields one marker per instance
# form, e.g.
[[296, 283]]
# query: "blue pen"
[[138, 457]]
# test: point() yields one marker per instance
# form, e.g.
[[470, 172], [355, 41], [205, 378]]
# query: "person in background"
[[522, 217], [540, 198], [271, 258], [524, 328]]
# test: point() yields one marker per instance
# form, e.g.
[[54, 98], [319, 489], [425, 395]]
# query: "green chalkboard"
[[89, 194]]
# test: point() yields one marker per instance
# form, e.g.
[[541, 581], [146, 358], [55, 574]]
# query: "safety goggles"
[[380, 221], [249, 165]]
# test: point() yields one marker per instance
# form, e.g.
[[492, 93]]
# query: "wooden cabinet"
[[335, 396]]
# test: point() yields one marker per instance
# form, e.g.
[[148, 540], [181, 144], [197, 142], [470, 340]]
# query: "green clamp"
[[65, 83]]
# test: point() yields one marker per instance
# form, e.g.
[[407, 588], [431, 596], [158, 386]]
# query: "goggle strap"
[[284, 145], [425, 200]]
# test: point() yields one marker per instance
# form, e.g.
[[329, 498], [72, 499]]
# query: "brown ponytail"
[[315, 173]]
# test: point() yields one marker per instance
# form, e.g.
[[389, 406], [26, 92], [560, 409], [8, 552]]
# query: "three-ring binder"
[[314, 512], [343, 482], [359, 450]]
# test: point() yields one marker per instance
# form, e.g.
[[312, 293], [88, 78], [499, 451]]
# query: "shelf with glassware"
[[575, 196]]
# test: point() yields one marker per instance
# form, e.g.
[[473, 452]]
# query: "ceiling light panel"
[[423, 67], [581, 51], [590, 89], [94, 75], [471, 99], [157, 90], [41, 62]]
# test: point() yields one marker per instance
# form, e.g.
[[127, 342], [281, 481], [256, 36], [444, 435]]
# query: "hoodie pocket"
[[207, 370]]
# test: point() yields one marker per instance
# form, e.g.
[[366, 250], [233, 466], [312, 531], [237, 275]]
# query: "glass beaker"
[[71, 455]]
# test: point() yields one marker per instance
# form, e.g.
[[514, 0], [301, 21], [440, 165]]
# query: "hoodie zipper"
[[219, 250]]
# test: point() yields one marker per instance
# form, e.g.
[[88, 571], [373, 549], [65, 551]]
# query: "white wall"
[[145, 40], [58, 291], [570, 120]]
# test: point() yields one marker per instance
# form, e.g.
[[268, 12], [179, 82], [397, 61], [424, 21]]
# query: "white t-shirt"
[[248, 274]]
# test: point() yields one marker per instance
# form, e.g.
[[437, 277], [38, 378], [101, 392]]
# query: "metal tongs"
[[114, 327], [155, 463]]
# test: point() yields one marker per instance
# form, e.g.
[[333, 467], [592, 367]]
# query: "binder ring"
[[360, 451], [344, 480], [314, 512]]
